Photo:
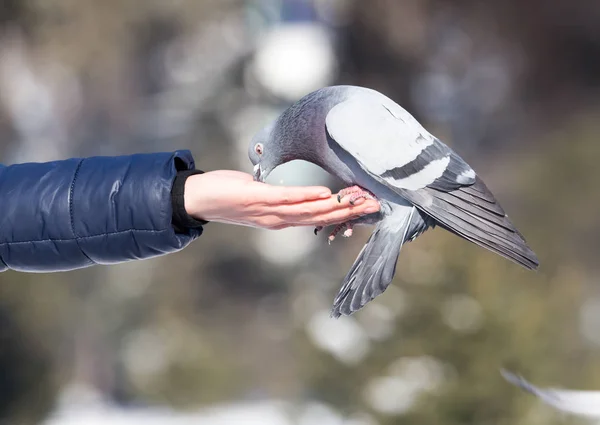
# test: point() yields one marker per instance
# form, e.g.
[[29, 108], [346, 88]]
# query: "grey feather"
[[458, 174], [478, 219], [375, 266], [586, 403]]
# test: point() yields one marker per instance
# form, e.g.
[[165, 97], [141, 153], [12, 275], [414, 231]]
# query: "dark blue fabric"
[[70, 214]]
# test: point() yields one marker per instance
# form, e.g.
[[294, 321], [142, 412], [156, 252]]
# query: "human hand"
[[234, 197]]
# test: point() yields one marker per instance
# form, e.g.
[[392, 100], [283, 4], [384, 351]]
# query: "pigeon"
[[584, 403], [379, 151]]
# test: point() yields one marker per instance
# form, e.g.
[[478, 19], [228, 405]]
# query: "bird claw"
[[318, 229], [356, 193], [347, 231]]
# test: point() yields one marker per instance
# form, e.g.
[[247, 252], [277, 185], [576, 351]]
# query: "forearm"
[[70, 214]]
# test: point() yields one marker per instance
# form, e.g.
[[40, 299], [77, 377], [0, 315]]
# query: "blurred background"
[[236, 328]]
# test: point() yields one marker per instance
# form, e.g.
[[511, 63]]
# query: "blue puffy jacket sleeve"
[[70, 214]]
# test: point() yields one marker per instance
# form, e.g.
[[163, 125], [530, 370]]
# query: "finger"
[[285, 195], [341, 216], [306, 211], [331, 216], [337, 215]]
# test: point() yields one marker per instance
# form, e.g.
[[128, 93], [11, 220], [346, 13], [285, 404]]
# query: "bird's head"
[[263, 153]]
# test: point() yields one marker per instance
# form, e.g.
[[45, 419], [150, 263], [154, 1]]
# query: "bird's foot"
[[318, 229], [346, 227], [355, 193]]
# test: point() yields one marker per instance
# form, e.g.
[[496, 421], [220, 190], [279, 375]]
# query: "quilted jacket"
[[70, 214]]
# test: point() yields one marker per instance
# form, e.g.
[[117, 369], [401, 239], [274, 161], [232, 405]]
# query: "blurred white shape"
[[310, 298], [424, 372], [82, 405], [319, 413], [361, 419], [586, 403], [294, 59], [589, 320], [462, 313], [192, 80], [144, 353], [286, 246], [34, 100], [395, 299], [256, 413], [378, 321], [344, 338], [80, 396], [391, 395], [409, 377]]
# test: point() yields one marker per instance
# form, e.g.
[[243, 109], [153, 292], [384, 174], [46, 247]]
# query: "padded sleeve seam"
[[87, 237], [71, 192], [71, 215]]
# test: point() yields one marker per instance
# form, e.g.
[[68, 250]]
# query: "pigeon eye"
[[258, 148]]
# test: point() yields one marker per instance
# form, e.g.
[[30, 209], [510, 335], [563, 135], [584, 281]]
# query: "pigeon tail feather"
[[375, 266]]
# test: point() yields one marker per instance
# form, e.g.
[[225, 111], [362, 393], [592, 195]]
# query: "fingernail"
[[359, 201], [371, 210], [325, 195]]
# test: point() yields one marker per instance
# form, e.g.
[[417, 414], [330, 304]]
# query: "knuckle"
[[266, 222], [306, 212], [326, 221], [284, 197], [272, 223], [246, 201]]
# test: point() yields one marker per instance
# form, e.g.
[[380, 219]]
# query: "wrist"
[[192, 197], [184, 217]]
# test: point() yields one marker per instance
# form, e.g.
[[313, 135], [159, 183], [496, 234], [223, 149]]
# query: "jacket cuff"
[[182, 221]]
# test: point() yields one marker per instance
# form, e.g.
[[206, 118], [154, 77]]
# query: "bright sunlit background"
[[235, 329]]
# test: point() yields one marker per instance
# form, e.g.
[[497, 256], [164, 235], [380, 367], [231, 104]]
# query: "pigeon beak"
[[258, 174]]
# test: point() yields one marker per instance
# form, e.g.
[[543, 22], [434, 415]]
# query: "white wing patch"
[[427, 175], [466, 177], [377, 132]]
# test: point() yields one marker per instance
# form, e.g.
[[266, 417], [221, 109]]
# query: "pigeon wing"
[[585, 403], [390, 145]]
